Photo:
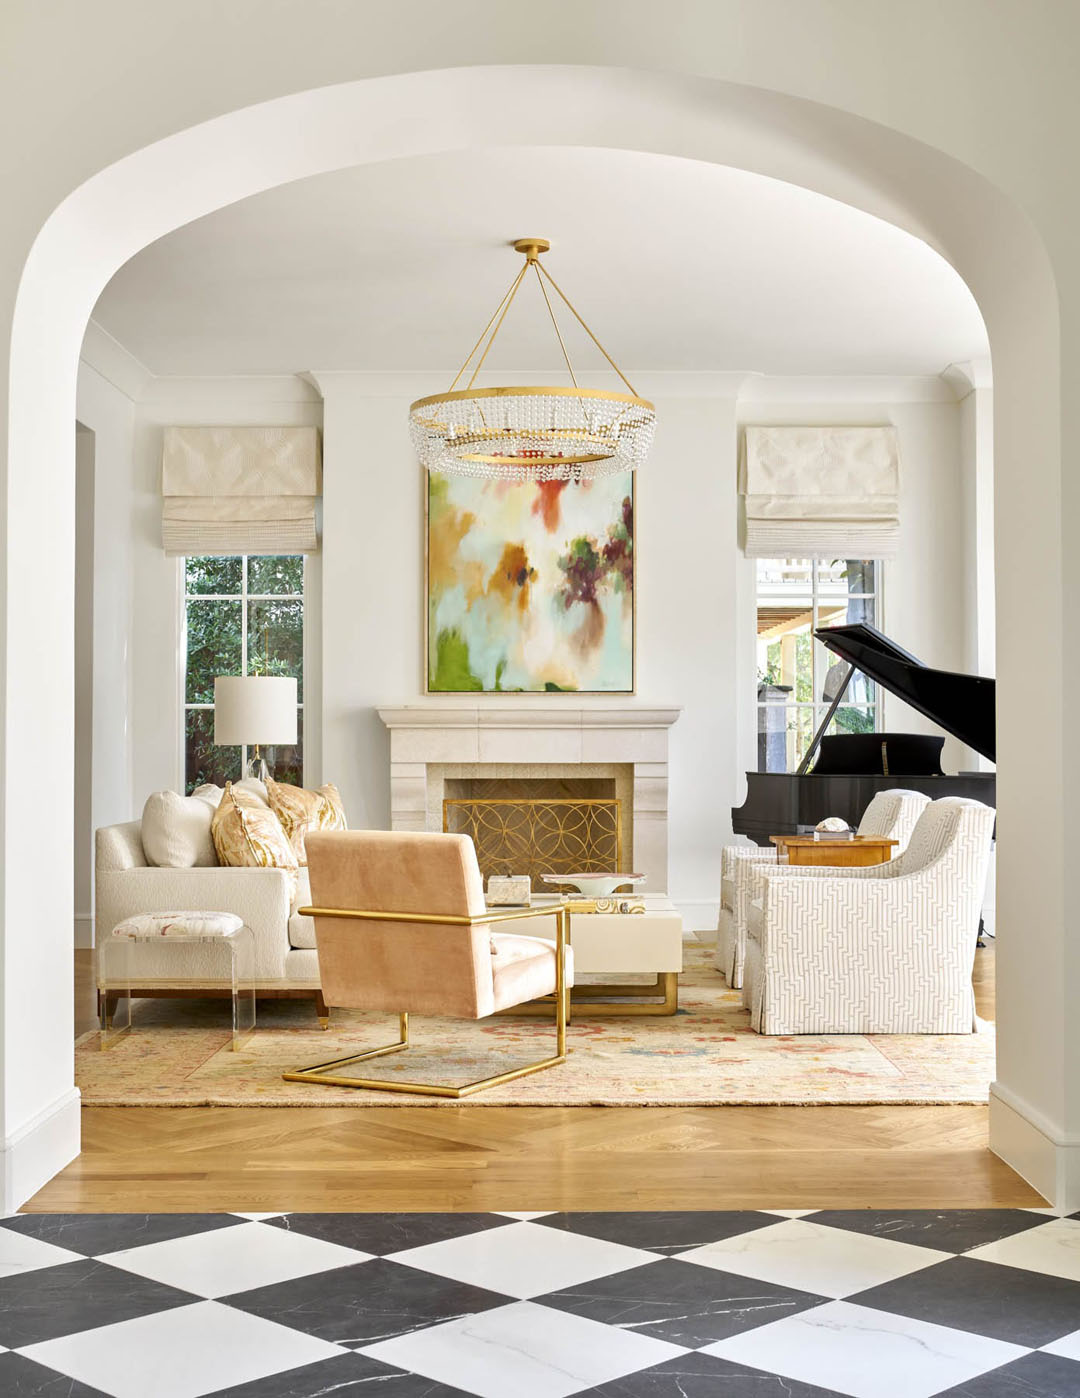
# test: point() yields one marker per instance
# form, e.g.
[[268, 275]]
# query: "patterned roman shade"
[[821, 492], [231, 490]]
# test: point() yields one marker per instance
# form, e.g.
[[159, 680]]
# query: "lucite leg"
[[242, 958], [115, 991]]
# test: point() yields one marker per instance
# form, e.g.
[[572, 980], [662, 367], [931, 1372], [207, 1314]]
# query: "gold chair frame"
[[330, 1072]]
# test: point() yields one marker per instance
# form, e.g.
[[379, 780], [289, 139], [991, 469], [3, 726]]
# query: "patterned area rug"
[[178, 1055]]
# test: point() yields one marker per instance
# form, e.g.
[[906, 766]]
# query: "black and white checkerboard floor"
[[977, 1304]]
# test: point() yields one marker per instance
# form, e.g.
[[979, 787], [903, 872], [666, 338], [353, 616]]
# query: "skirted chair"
[[891, 815], [401, 925], [886, 949]]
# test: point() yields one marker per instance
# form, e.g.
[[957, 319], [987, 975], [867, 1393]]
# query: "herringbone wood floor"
[[480, 1158]]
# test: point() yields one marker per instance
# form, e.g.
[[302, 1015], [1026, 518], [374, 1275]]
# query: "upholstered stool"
[[226, 938]]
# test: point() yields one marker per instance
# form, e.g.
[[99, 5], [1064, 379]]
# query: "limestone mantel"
[[523, 739]]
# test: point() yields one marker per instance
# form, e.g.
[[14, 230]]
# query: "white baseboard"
[[31, 1156], [84, 931], [1035, 1149]]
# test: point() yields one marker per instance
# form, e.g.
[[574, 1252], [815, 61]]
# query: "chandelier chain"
[[581, 321]]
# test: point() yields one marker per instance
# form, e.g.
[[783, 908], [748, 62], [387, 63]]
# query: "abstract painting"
[[530, 586]]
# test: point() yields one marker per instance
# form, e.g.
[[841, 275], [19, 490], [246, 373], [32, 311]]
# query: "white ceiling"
[[677, 266]]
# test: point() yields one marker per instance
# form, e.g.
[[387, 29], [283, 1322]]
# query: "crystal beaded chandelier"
[[532, 433]]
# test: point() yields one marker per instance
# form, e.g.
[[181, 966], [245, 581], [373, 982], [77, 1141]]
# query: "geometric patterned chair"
[[886, 949], [890, 815]]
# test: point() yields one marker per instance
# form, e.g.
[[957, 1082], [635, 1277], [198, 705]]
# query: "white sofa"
[[286, 963]]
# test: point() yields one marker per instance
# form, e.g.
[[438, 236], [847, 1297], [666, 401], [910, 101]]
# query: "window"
[[242, 616], [796, 675]]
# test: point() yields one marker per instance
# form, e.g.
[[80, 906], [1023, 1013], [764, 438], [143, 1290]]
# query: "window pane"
[[277, 575], [287, 763], [204, 761], [276, 640], [213, 574], [213, 647], [851, 718]]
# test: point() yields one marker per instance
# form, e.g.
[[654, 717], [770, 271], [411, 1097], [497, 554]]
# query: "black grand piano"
[[852, 768]]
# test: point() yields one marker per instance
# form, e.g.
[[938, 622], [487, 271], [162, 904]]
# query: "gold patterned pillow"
[[300, 810], [248, 834]]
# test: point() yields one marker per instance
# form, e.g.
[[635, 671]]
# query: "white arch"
[[140, 198]]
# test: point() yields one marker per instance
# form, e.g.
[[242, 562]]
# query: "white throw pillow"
[[176, 831]]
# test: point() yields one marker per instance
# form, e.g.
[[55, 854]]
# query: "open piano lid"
[[964, 705]]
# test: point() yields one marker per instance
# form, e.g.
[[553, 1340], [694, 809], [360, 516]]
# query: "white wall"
[[695, 622], [107, 412]]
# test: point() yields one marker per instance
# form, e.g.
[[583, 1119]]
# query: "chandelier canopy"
[[532, 433]]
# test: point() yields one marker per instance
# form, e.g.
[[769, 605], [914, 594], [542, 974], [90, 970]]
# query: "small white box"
[[509, 891]]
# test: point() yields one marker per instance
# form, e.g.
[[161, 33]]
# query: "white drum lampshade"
[[259, 710]]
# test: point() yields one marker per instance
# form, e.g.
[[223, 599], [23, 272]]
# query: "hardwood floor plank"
[[162, 1159]]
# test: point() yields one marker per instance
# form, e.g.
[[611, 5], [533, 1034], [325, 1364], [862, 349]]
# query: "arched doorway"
[[129, 204]]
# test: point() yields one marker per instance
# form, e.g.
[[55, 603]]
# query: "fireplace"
[[570, 754]]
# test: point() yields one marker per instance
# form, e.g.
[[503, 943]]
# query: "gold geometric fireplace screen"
[[541, 835]]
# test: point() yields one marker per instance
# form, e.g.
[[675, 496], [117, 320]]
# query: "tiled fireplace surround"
[[433, 742]]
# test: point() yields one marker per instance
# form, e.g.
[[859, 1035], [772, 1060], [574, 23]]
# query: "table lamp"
[[255, 710]]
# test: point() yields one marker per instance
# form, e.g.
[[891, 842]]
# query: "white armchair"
[[892, 814], [881, 950]]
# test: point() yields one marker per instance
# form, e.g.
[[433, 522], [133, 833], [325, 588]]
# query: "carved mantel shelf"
[[442, 715]]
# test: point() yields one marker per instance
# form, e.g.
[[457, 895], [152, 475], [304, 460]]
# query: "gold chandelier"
[[532, 433]]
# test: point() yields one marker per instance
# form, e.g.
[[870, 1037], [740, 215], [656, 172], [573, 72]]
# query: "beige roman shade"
[[240, 490], [821, 492]]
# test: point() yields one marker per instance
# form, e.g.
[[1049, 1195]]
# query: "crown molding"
[[967, 376], [105, 354], [845, 388], [654, 384], [240, 391]]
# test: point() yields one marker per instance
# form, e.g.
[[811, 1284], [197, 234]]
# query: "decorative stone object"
[[509, 891]]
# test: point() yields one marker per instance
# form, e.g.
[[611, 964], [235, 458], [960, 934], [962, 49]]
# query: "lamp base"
[[256, 768]]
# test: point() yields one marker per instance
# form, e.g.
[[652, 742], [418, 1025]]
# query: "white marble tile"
[[1053, 1248], [789, 1213], [256, 1218], [523, 1259], [524, 1216], [1068, 1347], [812, 1257], [20, 1253], [181, 1353], [865, 1353], [524, 1350], [228, 1260]]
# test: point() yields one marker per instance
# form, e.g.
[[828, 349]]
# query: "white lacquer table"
[[621, 944]]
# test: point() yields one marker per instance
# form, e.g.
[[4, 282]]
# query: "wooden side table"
[[860, 851]]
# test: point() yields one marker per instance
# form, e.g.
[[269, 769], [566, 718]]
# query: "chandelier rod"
[[498, 325], [585, 327], [555, 324], [479, 340]]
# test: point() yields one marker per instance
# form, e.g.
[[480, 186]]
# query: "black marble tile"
[[383, 1233], [1033, 1376], [986, 1298], [93, 1234], [367, 1302], [346, 1376], [952, 1230], [54, 1301], [704, 1376], [668, 1233], [22, 1378], [673, 1301]]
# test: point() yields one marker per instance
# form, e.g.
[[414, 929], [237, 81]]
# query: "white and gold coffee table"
[[621, 944]]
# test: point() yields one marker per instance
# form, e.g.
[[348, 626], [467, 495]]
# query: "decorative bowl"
[[599, 884]]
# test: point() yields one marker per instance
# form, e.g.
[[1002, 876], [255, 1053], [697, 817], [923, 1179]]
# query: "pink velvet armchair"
[[401, 925]]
